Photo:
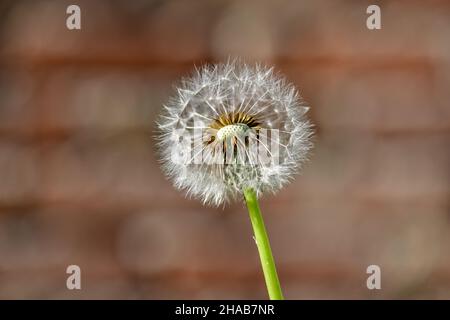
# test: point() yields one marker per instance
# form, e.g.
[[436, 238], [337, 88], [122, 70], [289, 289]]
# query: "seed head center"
[[232, 130]]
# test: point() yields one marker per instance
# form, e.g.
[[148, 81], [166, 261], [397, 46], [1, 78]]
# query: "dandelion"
[[232, 131]]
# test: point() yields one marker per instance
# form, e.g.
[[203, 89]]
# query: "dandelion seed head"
[[233, 126]]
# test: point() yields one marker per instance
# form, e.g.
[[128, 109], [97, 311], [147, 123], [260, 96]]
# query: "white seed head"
[[233, 126]]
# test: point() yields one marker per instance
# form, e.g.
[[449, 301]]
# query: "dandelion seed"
[[221, 108]]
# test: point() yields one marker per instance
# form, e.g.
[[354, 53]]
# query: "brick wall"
[[80, 183]]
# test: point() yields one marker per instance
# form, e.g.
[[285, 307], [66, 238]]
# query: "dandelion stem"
[[262, 242]]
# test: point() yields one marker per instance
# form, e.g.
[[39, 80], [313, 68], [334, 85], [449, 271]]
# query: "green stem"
[[262, 242]]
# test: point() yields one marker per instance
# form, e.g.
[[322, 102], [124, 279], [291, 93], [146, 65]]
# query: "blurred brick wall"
[[80, 183]]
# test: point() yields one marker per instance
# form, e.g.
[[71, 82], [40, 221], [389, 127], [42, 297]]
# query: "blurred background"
[[80, 182]]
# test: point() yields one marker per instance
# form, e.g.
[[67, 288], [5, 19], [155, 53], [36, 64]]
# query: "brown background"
[[80, 183]]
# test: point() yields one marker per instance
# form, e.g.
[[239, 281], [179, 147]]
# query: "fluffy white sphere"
[[230, 127]]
